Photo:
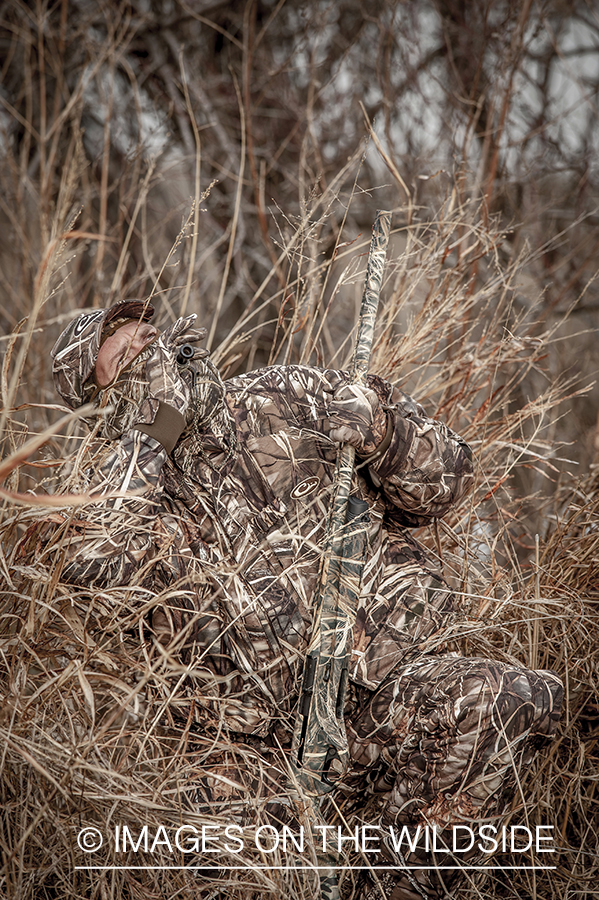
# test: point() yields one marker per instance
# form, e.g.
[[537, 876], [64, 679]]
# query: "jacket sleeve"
[[108, 541], [424, 467]]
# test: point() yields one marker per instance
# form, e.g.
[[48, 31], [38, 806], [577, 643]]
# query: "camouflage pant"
[[442, 742]]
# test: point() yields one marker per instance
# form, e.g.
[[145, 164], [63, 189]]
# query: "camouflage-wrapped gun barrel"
[[320, 753]]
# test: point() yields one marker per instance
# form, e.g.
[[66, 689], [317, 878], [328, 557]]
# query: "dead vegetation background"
[[228, 157]]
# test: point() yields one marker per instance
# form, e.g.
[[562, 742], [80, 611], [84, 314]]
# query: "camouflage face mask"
[[76, 350]]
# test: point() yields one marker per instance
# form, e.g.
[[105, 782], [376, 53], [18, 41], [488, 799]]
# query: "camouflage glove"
[[357, 418], [164, 379]]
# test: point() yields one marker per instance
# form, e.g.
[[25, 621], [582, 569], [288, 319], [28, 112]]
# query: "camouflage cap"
[[75, 352]]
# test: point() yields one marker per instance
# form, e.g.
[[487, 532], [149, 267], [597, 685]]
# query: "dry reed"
[[473, 321], [91, 730]]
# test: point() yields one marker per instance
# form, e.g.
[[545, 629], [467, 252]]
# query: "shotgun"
[[320, 753]]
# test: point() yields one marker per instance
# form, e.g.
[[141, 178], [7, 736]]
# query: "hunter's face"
[[120, 348]]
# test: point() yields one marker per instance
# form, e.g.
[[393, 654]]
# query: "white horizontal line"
[[312, 868]]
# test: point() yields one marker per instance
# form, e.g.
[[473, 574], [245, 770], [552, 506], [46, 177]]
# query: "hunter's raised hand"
[[356, 417], [163, 374], [181, 332]]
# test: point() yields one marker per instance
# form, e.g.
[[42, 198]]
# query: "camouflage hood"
[[75, 352]]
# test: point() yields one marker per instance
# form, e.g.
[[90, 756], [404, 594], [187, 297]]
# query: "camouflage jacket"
[[226, 533]]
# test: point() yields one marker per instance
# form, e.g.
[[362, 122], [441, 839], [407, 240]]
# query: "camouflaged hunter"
[[232, 485]]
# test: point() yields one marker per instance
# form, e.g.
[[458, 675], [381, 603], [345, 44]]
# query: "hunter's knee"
[[517, 702]]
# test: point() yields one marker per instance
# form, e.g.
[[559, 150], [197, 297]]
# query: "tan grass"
[[90, 726], [92, 729]]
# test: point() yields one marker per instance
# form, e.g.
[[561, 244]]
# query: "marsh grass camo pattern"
[[228, 543]]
